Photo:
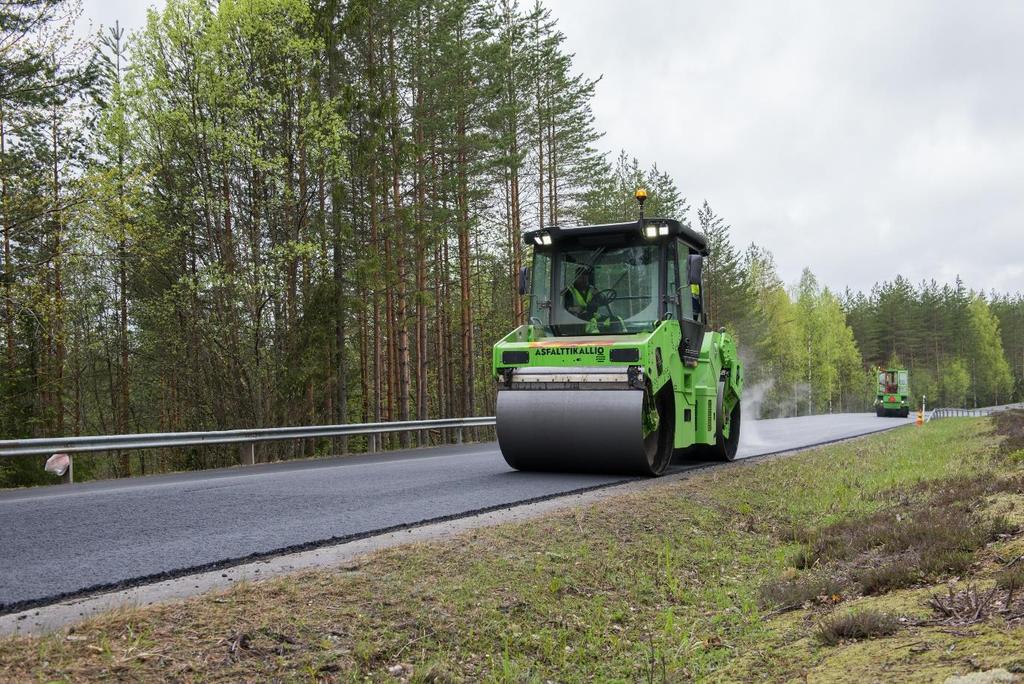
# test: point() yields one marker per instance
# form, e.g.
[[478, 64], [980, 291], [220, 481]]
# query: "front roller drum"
[[598, 431]]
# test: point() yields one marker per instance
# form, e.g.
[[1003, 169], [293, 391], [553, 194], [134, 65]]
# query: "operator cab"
[[888, 382], [616, 279], [892, 381]]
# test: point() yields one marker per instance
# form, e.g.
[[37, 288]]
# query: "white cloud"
[[130, 13], [861, 140]]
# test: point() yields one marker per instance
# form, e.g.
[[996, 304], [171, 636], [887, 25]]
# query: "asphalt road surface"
[[67, 540]]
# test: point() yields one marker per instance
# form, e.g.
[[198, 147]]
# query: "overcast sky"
[[861, 140]]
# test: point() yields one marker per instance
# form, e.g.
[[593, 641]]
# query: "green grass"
[[665, 584]]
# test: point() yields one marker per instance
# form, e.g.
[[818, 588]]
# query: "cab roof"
[[675, 228]]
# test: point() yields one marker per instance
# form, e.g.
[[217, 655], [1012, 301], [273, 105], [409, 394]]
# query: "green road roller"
[[893, 393], [614, 371]]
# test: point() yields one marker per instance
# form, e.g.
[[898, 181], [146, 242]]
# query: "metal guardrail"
[[159, 440], [971, 413], [248, 438], [959, 413]]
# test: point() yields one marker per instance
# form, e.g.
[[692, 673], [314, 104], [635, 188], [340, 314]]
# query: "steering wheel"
[[605, 298]]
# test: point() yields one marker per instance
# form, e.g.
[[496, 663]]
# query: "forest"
[[256, 213]]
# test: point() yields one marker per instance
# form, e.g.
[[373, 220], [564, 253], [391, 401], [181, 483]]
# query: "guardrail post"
[[69, 475], [247, 453], [458, 435]]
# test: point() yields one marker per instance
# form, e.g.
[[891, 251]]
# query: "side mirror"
[[524, 279], [695, 268]]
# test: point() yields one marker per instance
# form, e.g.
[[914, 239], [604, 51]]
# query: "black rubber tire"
[[723, 449], [726, 447], [659, 444], [905, 413], [879, 411]]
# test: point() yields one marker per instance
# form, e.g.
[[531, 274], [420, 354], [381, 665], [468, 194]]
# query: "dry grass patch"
[[895, 573], [793, 592], [932, 534], [932, 527], [1012, 579], [1010, 425], [856, 624], [966, 491]]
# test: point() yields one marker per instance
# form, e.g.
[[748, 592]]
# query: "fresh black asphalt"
[[66, 540]]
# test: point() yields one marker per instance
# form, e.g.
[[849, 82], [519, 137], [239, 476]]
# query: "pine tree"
[[729, 298]]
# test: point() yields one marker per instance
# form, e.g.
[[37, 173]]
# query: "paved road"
[[64, 540]]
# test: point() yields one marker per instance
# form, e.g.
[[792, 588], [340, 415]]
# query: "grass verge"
[[750, 572]]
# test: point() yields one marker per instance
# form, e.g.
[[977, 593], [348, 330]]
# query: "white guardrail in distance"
[[49, 446], [935, 414]]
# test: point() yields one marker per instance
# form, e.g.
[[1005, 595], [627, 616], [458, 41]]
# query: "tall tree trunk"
[[540, 159], [466, 298], [334, 66], [339, 369], [421, 266], [78, 385], [517, 232], [441, 336], [402, 314], [552, 193], [454, 397], [364, 368], [391, 324], [378, 370], [8, 266], [58, 286], [442, 352]]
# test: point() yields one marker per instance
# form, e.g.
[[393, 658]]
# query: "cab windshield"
[[597, 290]]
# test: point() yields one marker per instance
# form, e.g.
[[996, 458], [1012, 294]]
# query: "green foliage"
[[284, 212], [1010, 312], [954, 381], [729, 295], [774, 362], [272, 212], [832, 362], [950, 338], [991, 372]]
